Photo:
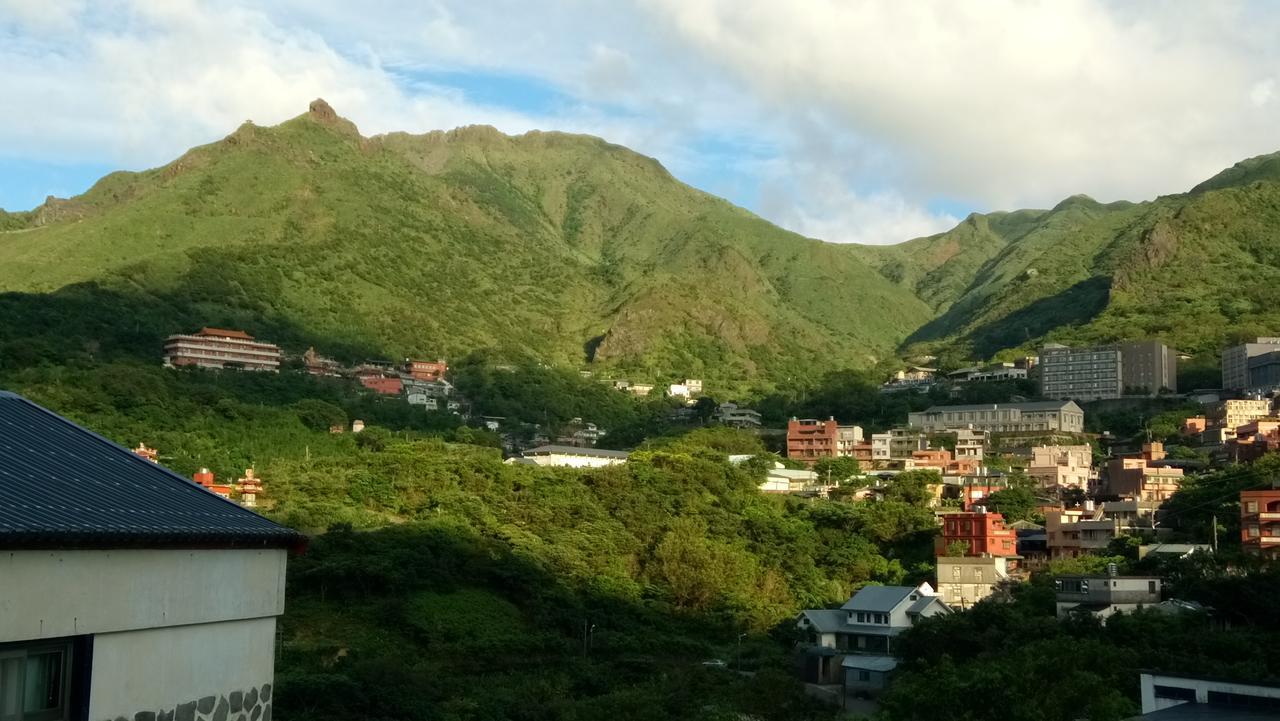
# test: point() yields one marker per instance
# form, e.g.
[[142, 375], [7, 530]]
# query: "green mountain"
[[1195, 270], [563, 247]]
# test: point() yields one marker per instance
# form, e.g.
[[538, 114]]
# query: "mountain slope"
[[1195, 270], [561, 246]]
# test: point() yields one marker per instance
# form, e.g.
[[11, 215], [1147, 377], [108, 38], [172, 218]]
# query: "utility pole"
[[738, 658], [1215, 534]]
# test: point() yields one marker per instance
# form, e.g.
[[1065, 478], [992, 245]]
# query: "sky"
[[851, 121]]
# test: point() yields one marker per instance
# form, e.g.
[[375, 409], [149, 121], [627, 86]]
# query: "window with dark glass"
[[34, 682]]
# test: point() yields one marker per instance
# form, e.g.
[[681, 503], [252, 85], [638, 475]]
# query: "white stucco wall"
[[570, 461], [51, 594], [160, 669]]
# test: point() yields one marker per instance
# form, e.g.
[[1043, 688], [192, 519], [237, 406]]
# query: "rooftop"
[[576, 451], [1028, 406], [878, 598], [62, 486], [224, 333]]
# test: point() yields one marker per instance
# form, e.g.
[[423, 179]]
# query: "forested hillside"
[[1195, 270], [564, 247]]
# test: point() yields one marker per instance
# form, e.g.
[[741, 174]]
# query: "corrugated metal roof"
[[62, 486], [878, 598]]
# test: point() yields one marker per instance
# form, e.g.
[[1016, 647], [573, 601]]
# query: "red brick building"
[[809, 440], [429, 371], [1260, 522], [221, 348], [983, 531]]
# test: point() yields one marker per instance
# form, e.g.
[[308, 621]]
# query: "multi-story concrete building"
[[809, 440], [731, 414], [971, 445], [1074, 532], [1235, 413], [1063, 467], [1060, 416], [965, 580], [1101, 372], [1264, 371], [1103, 596], [220, 348], [1260, 522], [1235, 361], [1141, 477], [1085, 374], [982, 531]]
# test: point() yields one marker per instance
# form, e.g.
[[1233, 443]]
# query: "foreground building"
[[220, 348], [1179, 697], [138, 594], [1051, 416]]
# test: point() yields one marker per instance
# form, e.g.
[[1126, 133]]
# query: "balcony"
[[1271, 540], [1269, 516]]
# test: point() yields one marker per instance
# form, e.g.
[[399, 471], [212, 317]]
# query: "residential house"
[[971, 444], [387, 385], [679, 390], [1103, 596], [881, 448], [1172, 550], [983, 533], [1071, 533], [641, 389], [137, 594], [1195, 425], [1052, 416], [694, 385], [1235, 361], [965, 580], [1260, 522], [794, 480], [222, 349], [1142, 476], [1253, 440], [571, 456], [999, 373], [1058, 468], [865, 625], [940, 459], [809, 439], [910, 378], [731, 414]]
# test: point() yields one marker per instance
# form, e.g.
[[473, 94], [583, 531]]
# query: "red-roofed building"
[[983, 531], [221, 348]]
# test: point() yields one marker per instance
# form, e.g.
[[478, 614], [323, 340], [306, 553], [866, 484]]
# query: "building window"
[[955, 572], [1252, 506], [1151, 586], [34, 682], [864, 675]]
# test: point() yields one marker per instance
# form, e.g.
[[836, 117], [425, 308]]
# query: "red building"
[[429, 371], [205, 478], [1260, 522], [219, 348], [809, 440], [983, 531], [942, 460], [386, 385]]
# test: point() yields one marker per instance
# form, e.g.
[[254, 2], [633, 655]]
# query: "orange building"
[[1195, 425], [942, 460], [983, 531], [430, 371], [220, 348], [809, 440], [1254, 440], [1260, 522], [1135, 477], [205, 478]]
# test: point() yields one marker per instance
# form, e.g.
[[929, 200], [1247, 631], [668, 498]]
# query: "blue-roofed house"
[[864, 626], [126, 590]]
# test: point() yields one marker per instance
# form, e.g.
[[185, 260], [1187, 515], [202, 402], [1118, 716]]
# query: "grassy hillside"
[[1195, 270], [566, 247]]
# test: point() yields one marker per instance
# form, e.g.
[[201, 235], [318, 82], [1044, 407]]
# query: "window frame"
[[69, 677]]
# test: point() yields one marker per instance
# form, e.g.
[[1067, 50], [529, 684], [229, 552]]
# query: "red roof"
[[223, 333]]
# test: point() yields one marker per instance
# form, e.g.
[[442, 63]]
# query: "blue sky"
[[870, 122]]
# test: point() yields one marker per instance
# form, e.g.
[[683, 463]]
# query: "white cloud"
[[1008, 101]]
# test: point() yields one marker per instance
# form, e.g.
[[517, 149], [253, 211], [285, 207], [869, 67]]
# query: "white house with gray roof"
[[865, 625]]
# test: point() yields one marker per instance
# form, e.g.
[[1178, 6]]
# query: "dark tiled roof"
[[62, 486]]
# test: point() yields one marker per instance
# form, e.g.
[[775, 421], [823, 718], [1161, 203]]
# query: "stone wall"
[[251, 705]]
